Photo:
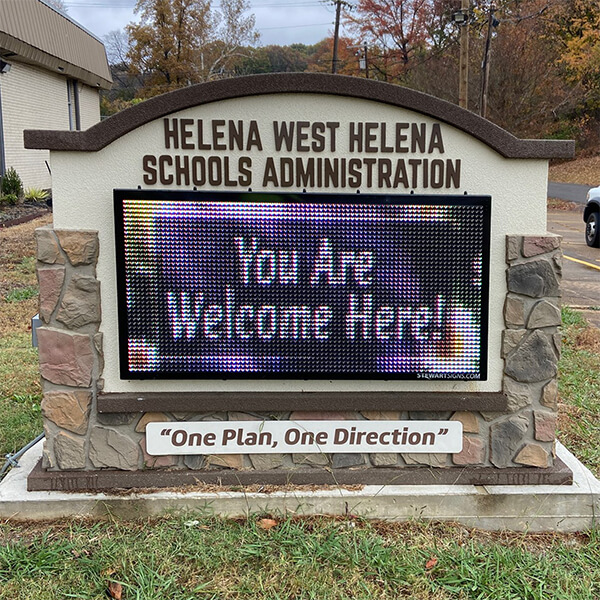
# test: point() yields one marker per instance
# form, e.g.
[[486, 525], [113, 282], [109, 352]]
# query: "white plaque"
[[270, 437]]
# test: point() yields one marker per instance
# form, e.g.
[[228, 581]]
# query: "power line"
[[131, 4], [293, 26]]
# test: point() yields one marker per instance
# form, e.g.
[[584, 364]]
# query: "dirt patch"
[[17, 243], [563, 205], [584, 171]]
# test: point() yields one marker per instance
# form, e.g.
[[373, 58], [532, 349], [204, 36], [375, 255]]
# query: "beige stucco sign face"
[[342, 140]]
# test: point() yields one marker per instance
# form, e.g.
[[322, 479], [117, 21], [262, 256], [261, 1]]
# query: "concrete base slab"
[[564, 508]]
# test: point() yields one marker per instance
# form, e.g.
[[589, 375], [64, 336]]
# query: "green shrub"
[[12, 184], [34, 194], [10, 199]]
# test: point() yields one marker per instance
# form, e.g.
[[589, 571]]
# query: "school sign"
[[234, 263]]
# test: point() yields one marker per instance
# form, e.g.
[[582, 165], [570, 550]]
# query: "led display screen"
[[222, 285]]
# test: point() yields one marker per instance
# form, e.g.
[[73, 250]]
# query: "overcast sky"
[[278, 21]]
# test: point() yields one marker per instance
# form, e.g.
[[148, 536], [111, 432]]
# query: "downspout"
[[2, 155], [77, 107]]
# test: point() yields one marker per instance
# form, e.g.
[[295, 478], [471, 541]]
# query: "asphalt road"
[[581, 264], [568, 191]]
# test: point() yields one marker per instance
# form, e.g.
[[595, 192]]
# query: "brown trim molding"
[[109, 479], [104, 133], [298, 401]]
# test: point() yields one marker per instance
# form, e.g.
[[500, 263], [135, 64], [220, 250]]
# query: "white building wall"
[[33, 98], [89, 105]]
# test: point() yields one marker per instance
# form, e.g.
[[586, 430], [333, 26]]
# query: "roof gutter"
[[24, 52]]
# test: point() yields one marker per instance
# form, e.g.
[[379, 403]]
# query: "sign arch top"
[[104, 133]]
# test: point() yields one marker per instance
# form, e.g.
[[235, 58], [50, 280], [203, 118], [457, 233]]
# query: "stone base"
[[107, 479], [536, 508]]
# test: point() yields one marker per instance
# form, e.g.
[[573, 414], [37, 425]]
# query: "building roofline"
[[104, 133], [76, 23], [34, 32]]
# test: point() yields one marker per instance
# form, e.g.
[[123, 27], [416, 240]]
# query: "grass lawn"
[[20, 392], [579, 389], [317, 558], [201, 556]]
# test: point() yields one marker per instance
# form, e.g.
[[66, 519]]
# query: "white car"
[[591, 216]]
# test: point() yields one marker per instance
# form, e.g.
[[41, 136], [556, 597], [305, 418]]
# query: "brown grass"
[[17, 244], [17, 271], [589, 339], [19, 372], [15, 317], [417, 533], [584, 171]]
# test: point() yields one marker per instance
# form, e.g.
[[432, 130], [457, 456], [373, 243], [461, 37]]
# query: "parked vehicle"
[[591, 216]]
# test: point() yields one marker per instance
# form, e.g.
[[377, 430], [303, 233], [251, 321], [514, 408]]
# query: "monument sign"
[[297, 277]]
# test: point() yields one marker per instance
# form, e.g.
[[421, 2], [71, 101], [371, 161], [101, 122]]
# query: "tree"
[[576, 23], [116, 43], [235, 32], [125, 84], [59, 4], [526, 89], [578, 26], [398, 31], [320, 61], [165, 45], [182, 42], [273, 59], [527, 92]]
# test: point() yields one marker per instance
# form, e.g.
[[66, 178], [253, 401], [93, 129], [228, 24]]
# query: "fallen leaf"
[[106, 573], [431, 563], [115, 590], [191, 523], [267, 524]]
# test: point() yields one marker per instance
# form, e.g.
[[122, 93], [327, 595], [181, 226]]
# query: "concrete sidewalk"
[[565, 508]]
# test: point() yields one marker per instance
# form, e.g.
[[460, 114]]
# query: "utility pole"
[[336, 36], [486, 62], [463, 82]]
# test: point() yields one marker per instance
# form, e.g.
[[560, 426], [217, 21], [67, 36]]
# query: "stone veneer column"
[[531, 349], [70, 351]]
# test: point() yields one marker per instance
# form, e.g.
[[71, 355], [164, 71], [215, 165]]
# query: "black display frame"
[[120, 195]]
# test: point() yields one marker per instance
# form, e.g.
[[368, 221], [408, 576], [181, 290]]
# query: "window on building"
[[73, 104]]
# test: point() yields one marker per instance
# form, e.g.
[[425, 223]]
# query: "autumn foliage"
[[182, 42], [545, 55], [399, 29]]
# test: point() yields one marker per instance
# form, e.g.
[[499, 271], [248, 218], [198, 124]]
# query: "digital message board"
[[223, 285]]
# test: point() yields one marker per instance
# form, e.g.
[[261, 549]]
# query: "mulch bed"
[[21, 213]]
